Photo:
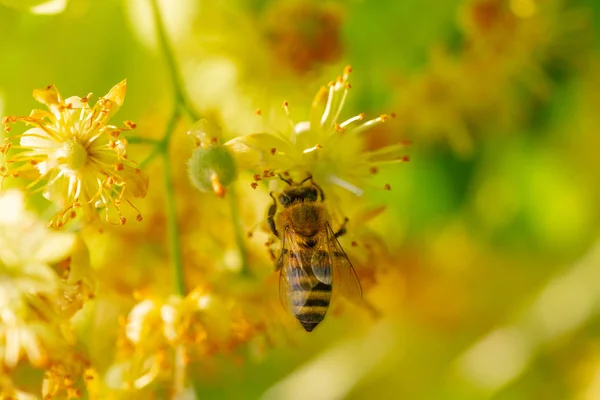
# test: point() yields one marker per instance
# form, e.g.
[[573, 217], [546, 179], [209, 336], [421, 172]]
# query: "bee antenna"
[[308, 178], [285, 180]]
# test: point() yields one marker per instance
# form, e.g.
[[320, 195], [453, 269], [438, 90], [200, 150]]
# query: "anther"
[[119, 167], [122, 220], [130, 124], [258, 112], [139, 218], [387, 187], [254, 185], [257, 177], [373, 170], [273, 151]]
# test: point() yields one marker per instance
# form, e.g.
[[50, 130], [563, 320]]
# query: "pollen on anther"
[[72, 214], [383, 117], [119, 167], [139, 218], [122, 220], [130, 124], [348, 86], [387, 187], [257, 177], [285, 104], [254, 185], [273, 151]]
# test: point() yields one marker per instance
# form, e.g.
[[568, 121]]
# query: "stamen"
[[341, 104], [286, 108], [314, 148], [346, 185], [347, 122], [328, 105], [369, 124]]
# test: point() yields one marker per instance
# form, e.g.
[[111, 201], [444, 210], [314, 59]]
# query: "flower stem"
[[240, 236], [182, 104], [141, 140], [162, 145], [172, 228], [181, 98]]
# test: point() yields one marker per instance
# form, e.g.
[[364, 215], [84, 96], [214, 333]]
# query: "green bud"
[[212, 169]]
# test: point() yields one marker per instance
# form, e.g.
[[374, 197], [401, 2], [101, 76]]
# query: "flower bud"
[[212, 168]]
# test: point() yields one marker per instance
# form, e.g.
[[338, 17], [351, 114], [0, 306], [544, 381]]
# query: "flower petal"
[[37, 138], [112, 102], [55, 247], [48, 96], [12, 204], [260, 149], [137, 183]]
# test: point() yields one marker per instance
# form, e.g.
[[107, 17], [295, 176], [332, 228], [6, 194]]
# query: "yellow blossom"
[[328, 147], [74, 156], [34, 329]]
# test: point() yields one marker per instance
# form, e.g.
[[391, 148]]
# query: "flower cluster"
[[44, 280], [330, 148], [74, 157]]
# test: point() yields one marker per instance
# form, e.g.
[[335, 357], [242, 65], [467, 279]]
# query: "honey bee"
[[312, 263]]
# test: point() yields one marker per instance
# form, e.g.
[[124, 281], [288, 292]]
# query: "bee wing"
[[345, 280], [321, 260], [293, 279]]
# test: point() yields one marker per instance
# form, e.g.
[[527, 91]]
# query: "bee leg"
[[271, 216], [342, 229]]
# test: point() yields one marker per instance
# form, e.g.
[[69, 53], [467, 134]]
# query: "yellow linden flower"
[[329, 148], [74, 156], [34, 332]]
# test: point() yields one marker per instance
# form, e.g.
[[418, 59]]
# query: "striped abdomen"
[[310, 305], [309, 295]]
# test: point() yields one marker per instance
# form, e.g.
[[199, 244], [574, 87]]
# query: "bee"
[[312, 262]]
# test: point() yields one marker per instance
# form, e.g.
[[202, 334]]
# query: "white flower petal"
[[37, 138], [12, 204]]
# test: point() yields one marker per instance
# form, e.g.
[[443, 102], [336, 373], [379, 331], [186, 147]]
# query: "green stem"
[[240, 236], [182, 104], [141, 140], [176, 80], [172, 228], [163, 144]]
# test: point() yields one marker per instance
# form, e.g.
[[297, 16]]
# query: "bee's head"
[[299, 194]]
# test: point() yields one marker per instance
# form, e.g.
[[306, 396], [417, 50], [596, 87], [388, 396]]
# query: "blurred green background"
[[489, 286]]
